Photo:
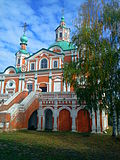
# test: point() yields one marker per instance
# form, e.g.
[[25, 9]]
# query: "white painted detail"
[[19, 85]]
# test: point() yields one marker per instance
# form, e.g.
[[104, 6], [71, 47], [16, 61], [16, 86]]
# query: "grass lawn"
[[33, 145]]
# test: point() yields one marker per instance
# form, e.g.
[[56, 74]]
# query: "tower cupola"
[[62, 32]]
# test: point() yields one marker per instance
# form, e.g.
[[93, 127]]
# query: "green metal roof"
[[18, 70], [23, 51], [64, 45]]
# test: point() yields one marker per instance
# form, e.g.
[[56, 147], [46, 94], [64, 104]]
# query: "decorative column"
[[36, 64], [60, 63], [20, 83], [73, 117], [35, 81], [23, 81], [68, 87], [50, 82], [40, 114], [50, 63], [55, 116], [103, 120], [43, 125], [98, 121], [93, 122], [64, 87]]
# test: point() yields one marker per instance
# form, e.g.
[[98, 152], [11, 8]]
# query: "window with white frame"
[[57, 85], [44, 63], [32, 66], [55, 64]]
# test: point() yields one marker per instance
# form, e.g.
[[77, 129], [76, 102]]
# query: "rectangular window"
[[32, 66], [60, 34], [55, 64], [18, 60]]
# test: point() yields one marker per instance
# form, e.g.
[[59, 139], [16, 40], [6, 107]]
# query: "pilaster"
[[64, 87], [68, 87], [93, 122], [60, 63], [2, 85], [98, 121], [50, 82], [73, 118], [55, 116], [35, 81]]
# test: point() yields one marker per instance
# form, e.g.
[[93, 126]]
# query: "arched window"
[[44, 63]]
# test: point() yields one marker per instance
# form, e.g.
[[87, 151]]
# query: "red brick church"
[[34, 96]]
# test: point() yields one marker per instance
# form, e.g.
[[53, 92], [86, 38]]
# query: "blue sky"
[[42, 16]]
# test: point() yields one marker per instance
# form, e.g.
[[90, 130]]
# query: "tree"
[[91, 73], [111, 20]]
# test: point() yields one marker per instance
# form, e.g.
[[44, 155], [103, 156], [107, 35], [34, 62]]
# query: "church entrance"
[[32, 123], [48, 119]]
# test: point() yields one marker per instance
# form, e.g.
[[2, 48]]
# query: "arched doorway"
[[32, 123], [65, 121], [83, 121], [48, 120]]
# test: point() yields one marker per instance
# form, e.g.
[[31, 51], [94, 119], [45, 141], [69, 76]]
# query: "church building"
[[34, 96]]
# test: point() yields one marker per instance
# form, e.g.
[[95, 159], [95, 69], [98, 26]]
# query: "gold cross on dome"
[[25, 27]]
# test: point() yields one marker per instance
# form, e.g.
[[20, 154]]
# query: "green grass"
[[32, 145]]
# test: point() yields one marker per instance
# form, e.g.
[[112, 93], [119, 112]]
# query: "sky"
[[42, 17]]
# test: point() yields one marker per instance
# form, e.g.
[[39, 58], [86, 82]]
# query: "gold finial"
[[25, 27]]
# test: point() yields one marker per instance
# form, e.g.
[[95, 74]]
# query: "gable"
[[43, 53]]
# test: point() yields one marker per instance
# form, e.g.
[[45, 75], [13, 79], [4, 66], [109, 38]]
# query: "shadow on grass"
[[10, 150], [32, 145]]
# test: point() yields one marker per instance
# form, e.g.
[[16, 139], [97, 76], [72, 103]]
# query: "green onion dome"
[[24, 39]]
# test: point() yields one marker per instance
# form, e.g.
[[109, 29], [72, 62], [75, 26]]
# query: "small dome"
[[62, 19], [24, 39]]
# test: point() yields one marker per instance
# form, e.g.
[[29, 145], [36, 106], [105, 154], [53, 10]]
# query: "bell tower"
[[62, 32], [22, 53]]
